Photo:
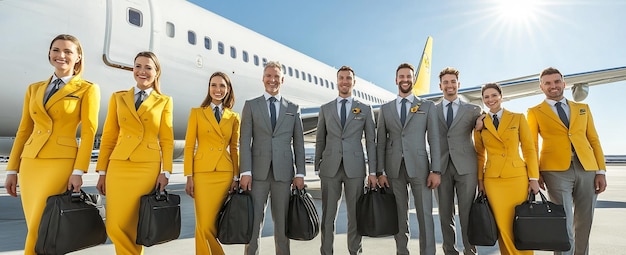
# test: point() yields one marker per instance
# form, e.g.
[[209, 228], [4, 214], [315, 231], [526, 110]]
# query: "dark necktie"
[[562, 115], [403, 111], [273, 112], [139, 99], [450, 115], [217, 114], [343, 112], [496, 122], [55, 87]]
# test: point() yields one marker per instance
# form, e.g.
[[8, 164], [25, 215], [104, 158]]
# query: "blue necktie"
[[139, 99], [273, 112], [496, 122], [343, 112], [55, 87], [403, 111], [217, 114], [450, 115], [562, 115]]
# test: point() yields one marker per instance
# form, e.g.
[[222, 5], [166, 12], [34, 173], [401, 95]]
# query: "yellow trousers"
[[210, 192], [39, 179], [504, 194], [126, 182]]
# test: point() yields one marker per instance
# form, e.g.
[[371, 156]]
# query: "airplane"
[[191, 43]]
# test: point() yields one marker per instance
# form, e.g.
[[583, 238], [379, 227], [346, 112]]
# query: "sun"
[[517, 11]]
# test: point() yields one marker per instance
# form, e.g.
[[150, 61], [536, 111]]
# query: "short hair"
[[449, 70], [405, 65], [272, 64], [157, 66], [229, 100], [346, 68], [549, 71], [491, 86], [78, 66]]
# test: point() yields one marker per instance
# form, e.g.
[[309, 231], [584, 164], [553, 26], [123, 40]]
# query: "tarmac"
[[608, 234]]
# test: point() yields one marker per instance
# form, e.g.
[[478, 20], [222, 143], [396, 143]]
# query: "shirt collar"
[[499, 113], [65, 79], [410, 97], [341, 98], [148, 90], [267, 96], [213, 106], [455, 101], [553, 102]]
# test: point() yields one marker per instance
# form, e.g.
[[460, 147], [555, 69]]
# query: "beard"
[[407, 90]]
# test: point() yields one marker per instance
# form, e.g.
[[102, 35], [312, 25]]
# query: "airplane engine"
[[580, 92]]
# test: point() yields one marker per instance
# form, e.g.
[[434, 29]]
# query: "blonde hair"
[[157, 80]]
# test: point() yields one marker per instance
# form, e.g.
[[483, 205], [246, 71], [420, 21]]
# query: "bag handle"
[[160, 195], [544, 200], [481, 198]]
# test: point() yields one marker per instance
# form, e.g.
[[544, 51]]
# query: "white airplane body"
[[191, 43]]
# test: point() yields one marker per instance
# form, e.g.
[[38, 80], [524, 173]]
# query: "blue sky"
[[486, 40]]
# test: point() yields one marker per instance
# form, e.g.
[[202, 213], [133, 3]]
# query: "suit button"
[[34, 112], [220, 149], [211, 149], [49, 131], [139, 137], [128, 137], [503, 155], [38, 131], [123, 119], [222, 142]]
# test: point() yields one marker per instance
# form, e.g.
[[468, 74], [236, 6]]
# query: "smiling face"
[[404, 80], [492, 99], [218, 89], [145, 72], [272, 79], [64, 55], [345, 83], [449, 85], [552, 86]]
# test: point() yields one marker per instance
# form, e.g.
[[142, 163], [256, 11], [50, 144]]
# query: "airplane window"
[[191, 37], [220, 47], [134, 17], [170, 29], [245, 56], [315, 78], [284, 69], [233, 52], [303, 76], [290, 71], [256, 60], [264, 62], [326, 81], [297, 73], [332, 85], [207, 42], [309, 77]]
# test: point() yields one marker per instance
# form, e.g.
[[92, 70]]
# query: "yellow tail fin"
[[422, 82]]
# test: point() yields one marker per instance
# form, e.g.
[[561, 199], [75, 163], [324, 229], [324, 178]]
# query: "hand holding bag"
[[234, 223], [302, 219], [540, 225], [70, 222], [159, 218], [482, 228], [377, 213]]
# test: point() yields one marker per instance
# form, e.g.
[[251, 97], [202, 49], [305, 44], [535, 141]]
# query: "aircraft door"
[[129, 31]]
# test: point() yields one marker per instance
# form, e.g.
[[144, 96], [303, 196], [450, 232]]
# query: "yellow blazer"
[[49, 131], [143, 135], [557, 138], [214, 142], [502, 147]]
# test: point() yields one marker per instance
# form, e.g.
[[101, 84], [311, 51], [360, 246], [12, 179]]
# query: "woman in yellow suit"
[[45, 151], [136, 151], [505, 177], [212, 169]]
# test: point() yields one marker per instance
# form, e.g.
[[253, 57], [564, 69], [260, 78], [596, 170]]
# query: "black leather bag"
[[159, 218], [377, 213], [70, 222], [303, 222], [482, 228], [234, 224], [540, 225]]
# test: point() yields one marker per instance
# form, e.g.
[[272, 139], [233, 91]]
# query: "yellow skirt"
[[39, 179], [504, 194], [126, 182], [210, 191]]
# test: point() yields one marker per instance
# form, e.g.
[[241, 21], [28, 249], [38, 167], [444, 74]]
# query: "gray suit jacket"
[[396, 142], [259, 145], [334, 144], [459, 146]]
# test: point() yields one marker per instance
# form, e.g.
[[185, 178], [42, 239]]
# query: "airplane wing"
[[529, 85]]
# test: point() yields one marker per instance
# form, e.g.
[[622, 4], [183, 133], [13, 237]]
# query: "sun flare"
[[517, 11]]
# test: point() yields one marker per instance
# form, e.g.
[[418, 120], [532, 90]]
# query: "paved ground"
[[608, 234]]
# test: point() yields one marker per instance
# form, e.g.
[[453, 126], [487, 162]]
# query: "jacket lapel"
[[261, 103], [547, 110], [40, 94], [350, 116], [129, 100], [574, 111], [72, 86], [333, 110], [416, 102], [505, 121], [442, 119], [281, 114], [210, 116]]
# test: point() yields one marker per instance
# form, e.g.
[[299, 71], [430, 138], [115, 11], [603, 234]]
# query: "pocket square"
[[289, 113], [358, 118], [73, 96]]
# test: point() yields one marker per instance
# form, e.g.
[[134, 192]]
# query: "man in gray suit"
[[403, 125], [271, 140], [458, 160], [339, 158]]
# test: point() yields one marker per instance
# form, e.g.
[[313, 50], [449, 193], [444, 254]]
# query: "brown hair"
[[273, 64], [549, 71], [157, 65], [229, 100], [346, 68], [78, 66], [491, 86], [405, 65], [449, 70]]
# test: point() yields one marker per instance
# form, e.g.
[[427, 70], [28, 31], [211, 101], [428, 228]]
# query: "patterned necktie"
[[450, 115], [343, 112], [562, 115], [273, 112], [55, 87], [496, 122], [217, 114], [140, 99], [403, 111]]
